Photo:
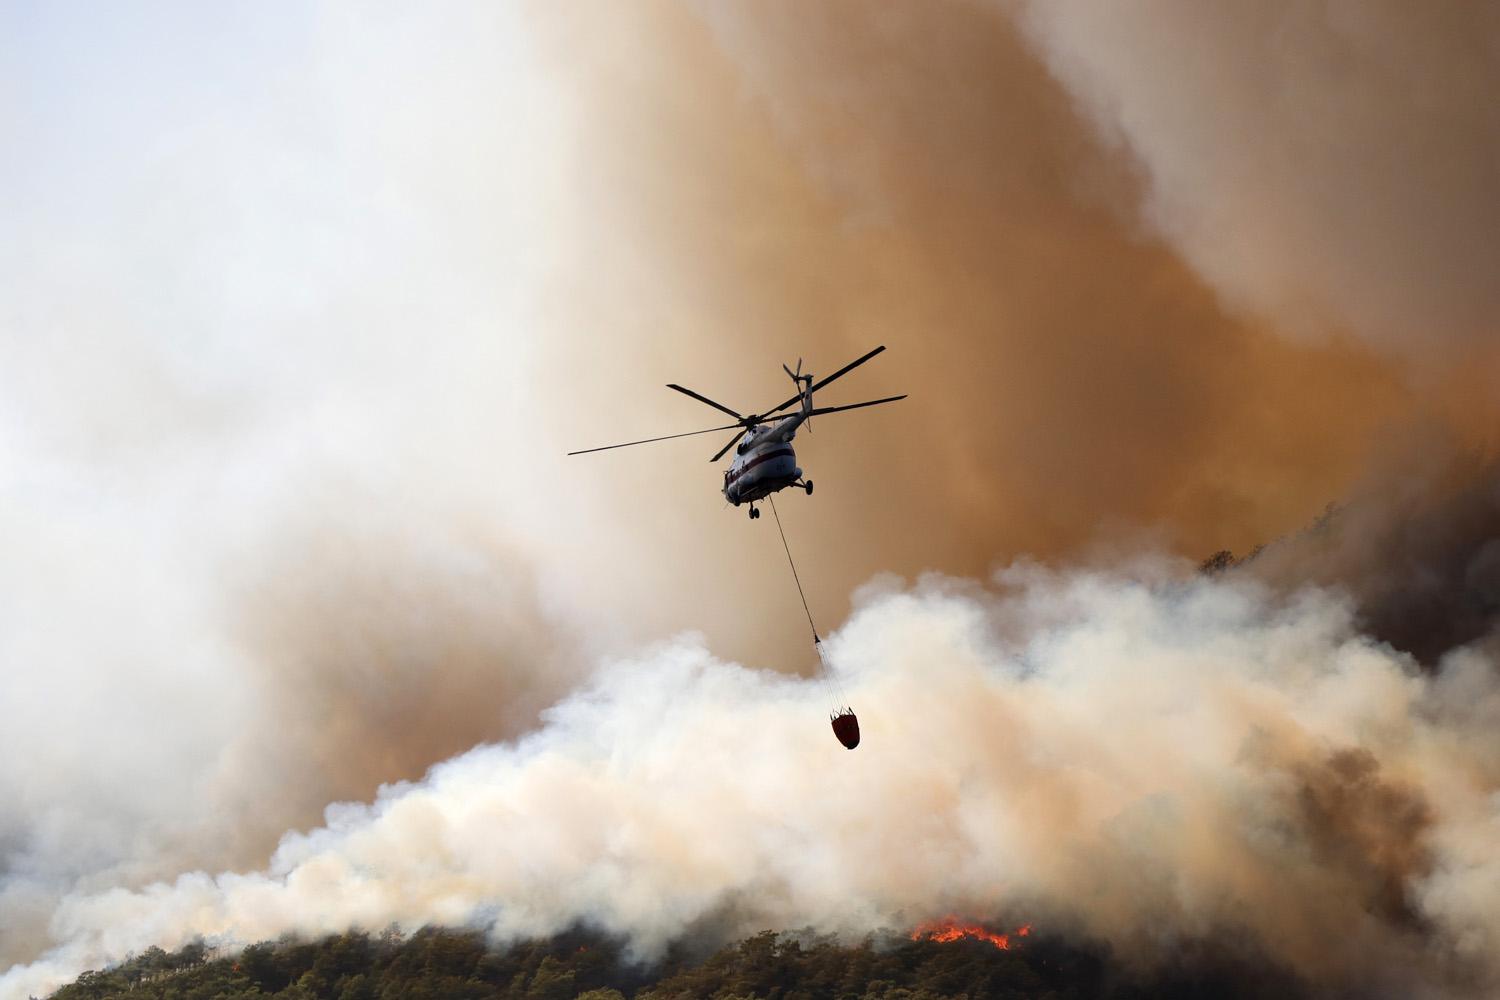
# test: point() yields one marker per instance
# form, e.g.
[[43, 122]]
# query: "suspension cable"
[[829, 678], [793, 565]]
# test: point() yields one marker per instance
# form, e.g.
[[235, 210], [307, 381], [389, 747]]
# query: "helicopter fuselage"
[[764, 462]]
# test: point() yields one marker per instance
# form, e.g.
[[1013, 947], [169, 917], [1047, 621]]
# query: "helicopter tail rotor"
[[797, 376], [804, 388]]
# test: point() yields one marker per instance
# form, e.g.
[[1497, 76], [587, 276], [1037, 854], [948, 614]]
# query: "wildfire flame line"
[[953, 929]]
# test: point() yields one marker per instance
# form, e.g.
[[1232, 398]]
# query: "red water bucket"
[[846, 727]]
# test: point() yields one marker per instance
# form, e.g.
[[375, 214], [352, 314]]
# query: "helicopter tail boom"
[[805, 388]]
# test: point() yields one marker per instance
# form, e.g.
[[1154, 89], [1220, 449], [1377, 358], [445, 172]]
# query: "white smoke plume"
[[246, 503], [1150, 760]]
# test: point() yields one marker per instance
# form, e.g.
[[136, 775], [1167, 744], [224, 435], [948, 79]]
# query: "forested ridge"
[[438, 964]]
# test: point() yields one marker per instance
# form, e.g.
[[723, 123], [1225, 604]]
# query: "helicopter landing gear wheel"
[[808, 487], [754, 513]]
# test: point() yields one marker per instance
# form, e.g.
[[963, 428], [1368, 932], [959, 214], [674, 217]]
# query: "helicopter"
[[764, 461]]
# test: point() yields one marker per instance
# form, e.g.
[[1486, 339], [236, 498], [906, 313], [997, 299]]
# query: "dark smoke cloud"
[[1414, 544], [1360, 820]]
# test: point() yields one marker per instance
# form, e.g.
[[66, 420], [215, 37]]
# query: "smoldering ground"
[[1152, 761]]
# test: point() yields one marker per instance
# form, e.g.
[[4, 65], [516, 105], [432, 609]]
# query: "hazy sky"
[[301, 306]]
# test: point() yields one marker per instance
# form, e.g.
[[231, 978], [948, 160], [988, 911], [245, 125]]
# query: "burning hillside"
[[952, 929], [1331, 814]]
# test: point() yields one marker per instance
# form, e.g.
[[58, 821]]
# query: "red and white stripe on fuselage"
[[763, 463]]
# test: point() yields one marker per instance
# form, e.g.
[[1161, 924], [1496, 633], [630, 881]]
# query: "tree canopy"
[[442, 964]]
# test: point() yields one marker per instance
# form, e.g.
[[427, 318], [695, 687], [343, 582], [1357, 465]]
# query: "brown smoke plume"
[[784, 183], [1331, 166]]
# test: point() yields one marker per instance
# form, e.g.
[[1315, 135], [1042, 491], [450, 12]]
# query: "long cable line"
[[828, 675], [793, 565]]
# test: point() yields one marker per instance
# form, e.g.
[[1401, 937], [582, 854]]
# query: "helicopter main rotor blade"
[[665, 437], [820, 410], [726, 447], [820, 383], [704, 399]]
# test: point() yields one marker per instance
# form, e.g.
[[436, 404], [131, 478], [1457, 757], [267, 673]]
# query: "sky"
[[302, 306]]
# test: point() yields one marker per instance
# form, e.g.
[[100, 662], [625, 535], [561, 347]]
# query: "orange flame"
[[953, 929]]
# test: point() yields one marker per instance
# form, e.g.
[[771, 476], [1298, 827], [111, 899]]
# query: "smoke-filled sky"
[[301, 307]]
